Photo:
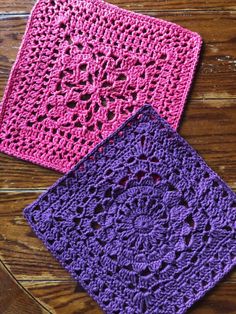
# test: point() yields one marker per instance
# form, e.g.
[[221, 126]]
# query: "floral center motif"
[[143, 223], [139, 215]]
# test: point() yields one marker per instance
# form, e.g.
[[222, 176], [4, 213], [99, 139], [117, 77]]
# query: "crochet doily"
[[84, 67], [141, 222]]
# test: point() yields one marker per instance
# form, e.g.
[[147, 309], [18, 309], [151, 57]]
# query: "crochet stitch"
[[141, 222], [84, 67]]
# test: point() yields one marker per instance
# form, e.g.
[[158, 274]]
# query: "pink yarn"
[[83, 68]]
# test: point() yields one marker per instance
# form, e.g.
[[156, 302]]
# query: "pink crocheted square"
[[83, 68]]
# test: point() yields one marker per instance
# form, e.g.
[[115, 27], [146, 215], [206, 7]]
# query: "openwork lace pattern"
[[141, 222], [84, 67]]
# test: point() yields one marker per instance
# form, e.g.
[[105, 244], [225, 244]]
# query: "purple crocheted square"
[[84, 67], [141, 222]]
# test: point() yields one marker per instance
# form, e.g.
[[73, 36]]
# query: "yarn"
[[84, 67], [141, 222]]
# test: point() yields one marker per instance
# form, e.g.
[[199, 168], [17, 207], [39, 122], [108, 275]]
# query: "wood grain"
[[12, 203], [24, 254], [18, 6], [63, 297], [23, 302], [17, 174], [209, 125]]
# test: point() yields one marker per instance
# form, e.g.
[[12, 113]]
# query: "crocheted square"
[[84, 67], [141, 222]]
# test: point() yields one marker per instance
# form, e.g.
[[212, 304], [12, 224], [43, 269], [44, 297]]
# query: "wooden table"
[[31, 281]]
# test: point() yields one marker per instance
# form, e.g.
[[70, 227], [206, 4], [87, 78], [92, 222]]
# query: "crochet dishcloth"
[[141, 222], [83, 68]]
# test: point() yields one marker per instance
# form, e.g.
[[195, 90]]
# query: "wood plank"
[[13, 203], [64, 299], [208, 125], [24, 254], [14, 298], [17, 6], [166, 5], [21, 174], [217, 68]]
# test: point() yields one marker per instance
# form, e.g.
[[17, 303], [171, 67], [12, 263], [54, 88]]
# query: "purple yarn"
[[141, 222]]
